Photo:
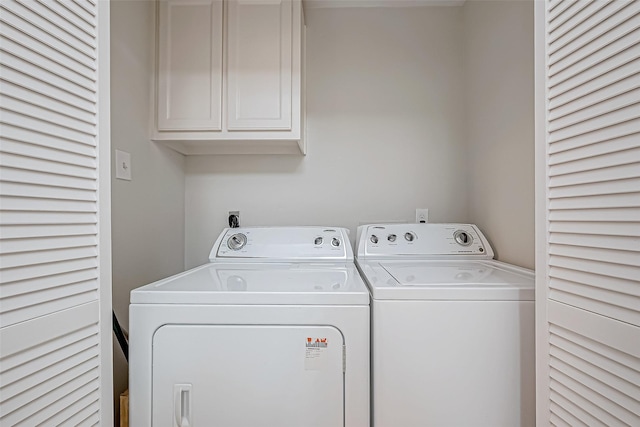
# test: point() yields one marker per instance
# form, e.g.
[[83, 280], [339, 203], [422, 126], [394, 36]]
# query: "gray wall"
[[499, 125], [384, 106], [147, 212]]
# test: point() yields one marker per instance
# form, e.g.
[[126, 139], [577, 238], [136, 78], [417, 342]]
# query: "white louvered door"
[[55, 272], [588, 212]]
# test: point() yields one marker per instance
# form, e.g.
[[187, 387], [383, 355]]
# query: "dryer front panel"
[[248, 376]]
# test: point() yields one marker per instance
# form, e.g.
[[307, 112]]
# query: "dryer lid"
[[448, 280], [259, 283]]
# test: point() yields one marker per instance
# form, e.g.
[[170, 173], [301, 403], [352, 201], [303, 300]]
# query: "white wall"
[[385, 133], [499, 126], [147, 212]]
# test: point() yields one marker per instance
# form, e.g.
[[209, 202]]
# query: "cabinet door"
[[190, 65], [248, 375], [260, 44]]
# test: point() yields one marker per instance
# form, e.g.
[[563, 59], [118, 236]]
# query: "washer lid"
[[259, 283], [448, 280]]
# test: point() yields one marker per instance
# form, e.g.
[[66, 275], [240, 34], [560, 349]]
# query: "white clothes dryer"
[[452, 329], [274, 331]]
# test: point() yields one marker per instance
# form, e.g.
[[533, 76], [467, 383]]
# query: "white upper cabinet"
[[259, 83], [230, 76], [190, 65]]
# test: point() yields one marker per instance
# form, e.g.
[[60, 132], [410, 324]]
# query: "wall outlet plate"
[[422, 216]]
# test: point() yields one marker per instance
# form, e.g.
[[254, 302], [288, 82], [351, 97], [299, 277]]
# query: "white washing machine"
[[452, 329], [274, 331]]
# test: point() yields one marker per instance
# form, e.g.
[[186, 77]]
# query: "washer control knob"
[[462, 238], [335, 242], [409, 237], [237, 242], [318, 241], [391, 237], [374, 239]]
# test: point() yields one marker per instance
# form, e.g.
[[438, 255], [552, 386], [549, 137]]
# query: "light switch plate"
[[123, 165]]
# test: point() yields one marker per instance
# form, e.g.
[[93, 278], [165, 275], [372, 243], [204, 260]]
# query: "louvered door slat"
[[88, 6], [31, 231], [46, 243], [627, 186], [627, 243], [605, 160], [603, 255], [50, 179], [21, 93], [596, 202], [596, 149], [35, 71], [602, 32], [75, 402], [597, 136], [571, 110], [587, 350], [627, 289], [561, 417], [47, 192], [598, 228], [27, 55], [45, 114], [595, 267], [49, 28], [52, 184], [581, 407], [22, 308], [47, 217], [582, 113], [47, 153], [600, 83], [580, 22], [609, 303], [85, 410], [40, 165], [50, 391], [38, 284], [608, 62], [46, 90], [565, 10], [78, 18], [611, 173], [47, 128]]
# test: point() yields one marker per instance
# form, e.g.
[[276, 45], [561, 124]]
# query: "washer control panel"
[[283, 244], [422, 240]]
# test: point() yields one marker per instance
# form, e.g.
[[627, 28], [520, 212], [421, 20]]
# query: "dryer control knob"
[[463, 238], [374, 239], [318, 241], [335, 242], [409, 237], [391, 237], [237, 242]]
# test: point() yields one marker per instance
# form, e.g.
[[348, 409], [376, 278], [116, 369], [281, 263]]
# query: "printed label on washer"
[[315, 357]]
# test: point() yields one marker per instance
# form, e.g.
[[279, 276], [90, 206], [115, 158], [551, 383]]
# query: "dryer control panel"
[[281, 244], [422, 241]]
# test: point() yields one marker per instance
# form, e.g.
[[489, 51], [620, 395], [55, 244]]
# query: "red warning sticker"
[[315, 357]]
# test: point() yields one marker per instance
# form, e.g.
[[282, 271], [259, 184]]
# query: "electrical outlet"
[[234, 219], [422, 216]]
